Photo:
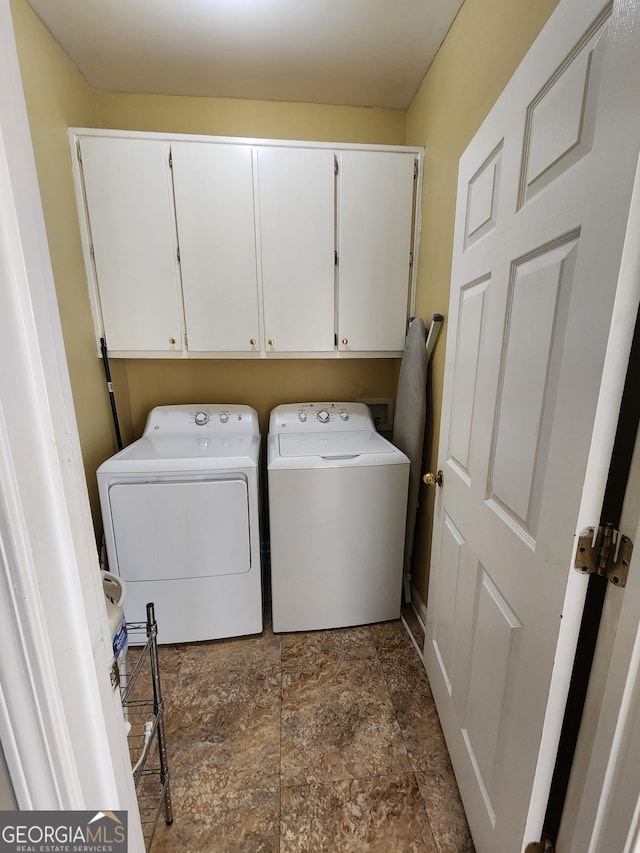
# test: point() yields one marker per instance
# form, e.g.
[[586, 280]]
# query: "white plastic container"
[[115, 593]]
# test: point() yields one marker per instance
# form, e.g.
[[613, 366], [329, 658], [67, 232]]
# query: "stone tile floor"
[[323, 741]]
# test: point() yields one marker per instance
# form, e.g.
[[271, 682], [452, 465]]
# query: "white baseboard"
[[420, 611], [412, 638], [419, 607]]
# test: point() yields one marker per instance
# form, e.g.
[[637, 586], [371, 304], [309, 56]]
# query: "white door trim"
[[61, 724], [623, 320], [601, 743]]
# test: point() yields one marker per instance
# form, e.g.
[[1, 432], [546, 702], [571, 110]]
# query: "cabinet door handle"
[[172, 340], [345, 341], [271, 342], [252, 341]]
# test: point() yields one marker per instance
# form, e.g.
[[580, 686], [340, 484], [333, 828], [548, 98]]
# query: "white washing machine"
[[337, 513], [180, 513]]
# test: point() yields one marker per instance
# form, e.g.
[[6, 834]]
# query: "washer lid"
[[332, 445]]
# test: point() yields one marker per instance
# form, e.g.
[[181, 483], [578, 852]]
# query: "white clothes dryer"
[[337, 512], [180, 514]]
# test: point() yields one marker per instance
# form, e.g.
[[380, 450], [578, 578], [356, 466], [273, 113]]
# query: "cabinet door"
[[374, 244], [129, 201], [296, 188], [213, 187]]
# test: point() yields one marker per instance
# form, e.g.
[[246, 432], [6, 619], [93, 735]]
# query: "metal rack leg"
[[152, 632]]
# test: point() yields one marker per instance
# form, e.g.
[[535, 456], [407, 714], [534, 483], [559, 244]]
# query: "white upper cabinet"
[[213, 186], [129, 201], [297, 242], [374, 249], [202, 246]]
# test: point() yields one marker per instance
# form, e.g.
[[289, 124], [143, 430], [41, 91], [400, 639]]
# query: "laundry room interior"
[[251, 724], [479, 55]]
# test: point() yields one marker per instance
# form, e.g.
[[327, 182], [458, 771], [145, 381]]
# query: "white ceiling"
[[356, 52]]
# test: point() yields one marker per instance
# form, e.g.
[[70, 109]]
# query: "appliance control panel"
[[314, 417], [202, 420]]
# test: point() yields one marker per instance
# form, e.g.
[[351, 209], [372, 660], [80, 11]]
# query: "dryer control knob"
[[323, 416], [224, 417], [302, 416], [344, 416], [201, 418]]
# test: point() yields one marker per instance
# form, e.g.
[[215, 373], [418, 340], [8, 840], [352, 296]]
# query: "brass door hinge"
[[604, 551]]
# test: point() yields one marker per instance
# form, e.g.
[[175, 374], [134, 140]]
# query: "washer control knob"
[[323, 416], [201, 418], [302, 416], [224, 417], [344, 416]]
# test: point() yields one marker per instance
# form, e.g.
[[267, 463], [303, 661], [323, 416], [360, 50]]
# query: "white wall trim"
[[61, 725], [419, 607], [621, 131]]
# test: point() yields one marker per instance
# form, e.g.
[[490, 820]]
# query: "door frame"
[[61, 724]]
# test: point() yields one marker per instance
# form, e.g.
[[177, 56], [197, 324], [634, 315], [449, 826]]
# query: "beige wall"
[[263, 384], [262, 119], [476, 60], [7, 795]]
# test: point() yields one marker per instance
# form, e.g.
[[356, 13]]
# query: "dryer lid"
[[203, 447], [332, 445]]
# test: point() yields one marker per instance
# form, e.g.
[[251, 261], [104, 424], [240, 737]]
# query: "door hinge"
[[335, 164], [170, 159], [415, 169], [186, 341], [335, 339], [335, 258], [604, 551], [79, 151], [178, 254], [410, 259]]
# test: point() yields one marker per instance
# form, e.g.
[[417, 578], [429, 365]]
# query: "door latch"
[[604, 551]]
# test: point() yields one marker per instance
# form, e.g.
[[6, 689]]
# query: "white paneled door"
[[543, 200]]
